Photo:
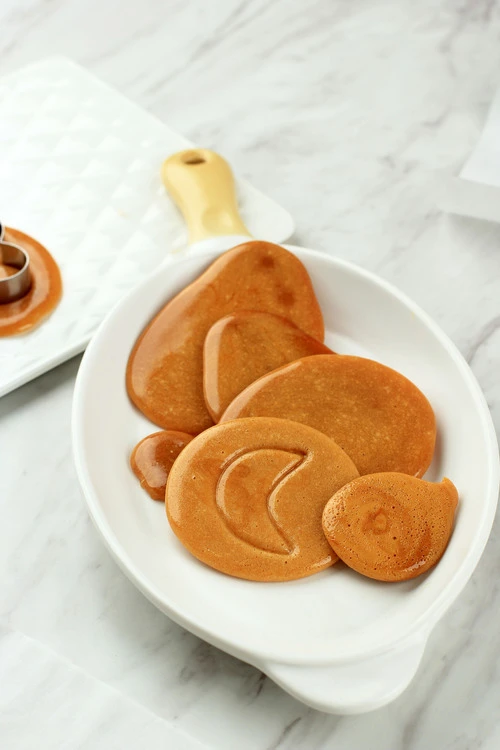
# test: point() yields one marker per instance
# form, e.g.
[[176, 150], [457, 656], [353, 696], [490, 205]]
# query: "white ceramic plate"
[[337, 641]]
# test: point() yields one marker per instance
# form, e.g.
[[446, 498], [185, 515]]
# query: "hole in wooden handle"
[[193, 158]]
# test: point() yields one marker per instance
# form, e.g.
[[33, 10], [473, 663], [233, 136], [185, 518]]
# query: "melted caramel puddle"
[[46, 287]]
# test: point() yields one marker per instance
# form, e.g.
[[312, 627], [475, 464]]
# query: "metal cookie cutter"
[[18, 284]]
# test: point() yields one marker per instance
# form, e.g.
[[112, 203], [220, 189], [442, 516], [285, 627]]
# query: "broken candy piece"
[[390, 526]]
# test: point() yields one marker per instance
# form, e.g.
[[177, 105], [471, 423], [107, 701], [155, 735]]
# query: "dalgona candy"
[[165, 368], [247, 498], [391, 526], [376, 415], [242, 347], [153, 457]]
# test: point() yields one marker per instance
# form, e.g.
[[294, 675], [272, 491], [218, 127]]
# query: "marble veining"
[[44, 696], [347, 114]]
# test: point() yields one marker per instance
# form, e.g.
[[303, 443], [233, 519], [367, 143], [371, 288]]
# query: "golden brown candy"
[[165, 368], [247, 498], [152, 459], [381, 420], [390, 526], [242, 347], [46, 287]]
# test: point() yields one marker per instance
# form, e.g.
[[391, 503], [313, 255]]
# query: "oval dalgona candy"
[[390, 526]]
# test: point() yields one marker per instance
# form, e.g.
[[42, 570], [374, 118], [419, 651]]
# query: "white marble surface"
[[43, 696], [347, 114]]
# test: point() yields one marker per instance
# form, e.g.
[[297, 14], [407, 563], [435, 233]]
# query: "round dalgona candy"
[[247, 497]]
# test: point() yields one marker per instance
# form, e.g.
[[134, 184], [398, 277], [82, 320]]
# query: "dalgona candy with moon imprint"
[[247, 498]]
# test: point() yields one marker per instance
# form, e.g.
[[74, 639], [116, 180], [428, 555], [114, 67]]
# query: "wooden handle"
[[202, 185]]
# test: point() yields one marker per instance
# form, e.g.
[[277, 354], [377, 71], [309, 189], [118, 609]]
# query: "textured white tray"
[[80, 171]]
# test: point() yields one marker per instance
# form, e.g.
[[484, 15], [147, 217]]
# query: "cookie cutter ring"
[[17, 284]]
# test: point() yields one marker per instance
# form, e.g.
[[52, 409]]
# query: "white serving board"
[[80, 172]]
